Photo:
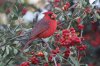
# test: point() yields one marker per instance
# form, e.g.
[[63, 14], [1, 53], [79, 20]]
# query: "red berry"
[[67, 42], [80, 26], [34, 60], [65, 31], [57, 1], [82, 47], [68, 4], [50, 58], [40, 53], [77, 40], [25, 64], [46, 64], [24, 10], [72, 29], [78, 20], [56, 51], [58, 64], [67, 53]]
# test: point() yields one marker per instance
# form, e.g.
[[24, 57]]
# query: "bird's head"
[[51, 15]]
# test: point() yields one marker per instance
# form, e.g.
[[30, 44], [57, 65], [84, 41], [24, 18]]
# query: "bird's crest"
[[50, 14]]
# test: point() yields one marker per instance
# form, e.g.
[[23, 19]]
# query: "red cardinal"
[[44, 28]]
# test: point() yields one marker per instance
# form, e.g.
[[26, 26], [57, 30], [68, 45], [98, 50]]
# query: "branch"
[[46, 44], [8, 62]]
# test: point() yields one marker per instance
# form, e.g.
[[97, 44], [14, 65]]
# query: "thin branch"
[[8, 62], [69, 25], [46, 44], [9, 40], [55, 61]]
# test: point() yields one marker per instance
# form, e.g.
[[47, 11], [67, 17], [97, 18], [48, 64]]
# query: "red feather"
[[43, 29]]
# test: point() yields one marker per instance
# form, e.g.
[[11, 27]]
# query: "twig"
[[46, 44], [81, 33], [9, 40], [8, 62], [50, 50], [3, 52], [73, 6], [55, 61], [66, 60], [69, 25]]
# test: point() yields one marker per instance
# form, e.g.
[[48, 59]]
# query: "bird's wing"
[[40, 27]]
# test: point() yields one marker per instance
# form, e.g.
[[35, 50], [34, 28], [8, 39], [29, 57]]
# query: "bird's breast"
[[50, 31]]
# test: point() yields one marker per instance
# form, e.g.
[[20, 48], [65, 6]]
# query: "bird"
[[44, 28]]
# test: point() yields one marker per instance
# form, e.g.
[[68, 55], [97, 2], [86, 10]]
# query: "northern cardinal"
[[44, 28]]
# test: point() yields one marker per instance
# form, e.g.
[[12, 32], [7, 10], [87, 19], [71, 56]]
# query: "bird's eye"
[[50, 15]]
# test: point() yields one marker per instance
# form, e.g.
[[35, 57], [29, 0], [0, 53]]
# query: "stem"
[[69, 25], [9, 40], [55, 61], [8, 62], [67, 60], [81, 33], [73, 6], [46, 44], [50, 50], [74, 61], [4, 51]]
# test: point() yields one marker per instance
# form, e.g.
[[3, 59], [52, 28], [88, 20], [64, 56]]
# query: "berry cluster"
[[34, 59], [68, 39]]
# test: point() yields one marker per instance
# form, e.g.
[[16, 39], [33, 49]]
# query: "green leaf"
[[7, 50], [83, 16], [97, 15], [45, 55], [74, 60], [26, 50], [15, 51], [1, 64], [3, 48]]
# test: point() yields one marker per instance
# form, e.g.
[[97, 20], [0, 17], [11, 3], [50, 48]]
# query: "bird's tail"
[[28, 43], [26, 39]]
